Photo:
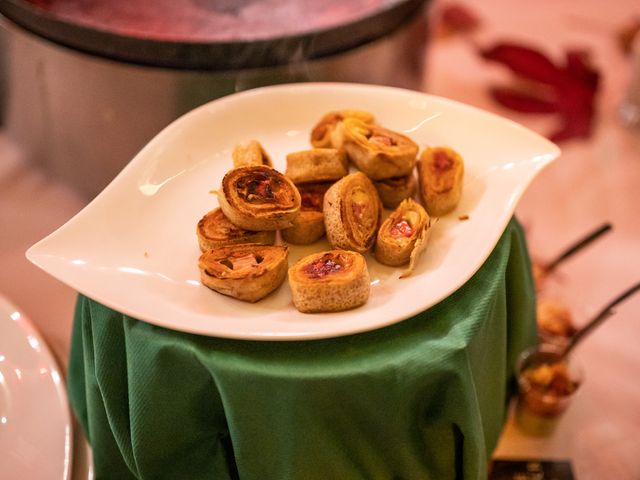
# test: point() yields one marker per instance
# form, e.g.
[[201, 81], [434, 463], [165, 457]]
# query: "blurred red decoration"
[[566, 90], [626, 34], [456, 18]]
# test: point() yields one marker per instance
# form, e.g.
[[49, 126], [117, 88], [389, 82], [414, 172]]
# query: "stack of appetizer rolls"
[[318, 195], [313, 172]]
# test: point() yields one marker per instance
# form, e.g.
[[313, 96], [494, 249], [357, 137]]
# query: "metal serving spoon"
[[605, 313], [576, 247]]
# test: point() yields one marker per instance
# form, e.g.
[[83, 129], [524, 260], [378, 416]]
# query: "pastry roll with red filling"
[[216, 230], [440, 175], [259, 198], [329, 281], [403, 236], [352, 212], [377, 151], [308, 226], [245, 272]]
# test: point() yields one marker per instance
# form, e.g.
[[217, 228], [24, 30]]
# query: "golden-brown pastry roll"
[[377, 151], [329, 281], [216, 230], [245, 272], [352, 212], [394, 190], [259, 198], [325, 134], [403, 236], [440, 175], [308, 226], [250, 153], [316, 165]]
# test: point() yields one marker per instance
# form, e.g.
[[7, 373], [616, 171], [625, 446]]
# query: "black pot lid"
[[211, 34]]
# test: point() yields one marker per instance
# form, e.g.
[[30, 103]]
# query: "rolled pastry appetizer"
[[403, 236], [329, 281], [251, 153], [316, 165], [308, 226], [245, 272], [326, 134], [394, 190], [215, 230], [259, 198], [377, 151], [440, 174], [352, 212]]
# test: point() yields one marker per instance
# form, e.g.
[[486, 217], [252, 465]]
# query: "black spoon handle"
[[579, 245], [605, 313]]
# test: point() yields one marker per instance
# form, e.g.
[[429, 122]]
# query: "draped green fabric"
[[425, 398]]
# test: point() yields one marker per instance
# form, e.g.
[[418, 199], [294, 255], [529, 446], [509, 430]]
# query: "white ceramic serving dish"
[[134, 247], [35, 423]]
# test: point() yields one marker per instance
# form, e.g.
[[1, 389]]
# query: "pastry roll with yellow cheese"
[[250, 153], [245, 272], [216, 230], [394, 190], [259, 198], [352, 212], [403, 236], [316, 165], [326, 132], [440, 175], [377, 151], [329, 281], [308, 226]]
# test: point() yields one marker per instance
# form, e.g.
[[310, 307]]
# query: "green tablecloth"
[[423, 399]]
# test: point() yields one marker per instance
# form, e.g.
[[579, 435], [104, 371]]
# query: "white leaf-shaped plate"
[[134, 247]]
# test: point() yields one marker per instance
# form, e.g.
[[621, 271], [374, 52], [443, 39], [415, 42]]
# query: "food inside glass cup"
[[546, 385], [555, 322]]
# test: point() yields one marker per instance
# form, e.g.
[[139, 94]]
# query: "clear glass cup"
[[538, 409]]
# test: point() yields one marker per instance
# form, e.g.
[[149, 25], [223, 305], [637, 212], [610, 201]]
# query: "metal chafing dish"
[[86, 83]]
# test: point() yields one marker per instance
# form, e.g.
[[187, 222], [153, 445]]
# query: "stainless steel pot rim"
[[219, 56]]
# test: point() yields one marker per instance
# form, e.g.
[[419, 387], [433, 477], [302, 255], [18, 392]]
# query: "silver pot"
[[81, 102]]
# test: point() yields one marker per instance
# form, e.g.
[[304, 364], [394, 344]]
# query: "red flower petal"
[[573, 126], [578, 66], [521, 102], [572, 87], [526, 62], [457, 18]]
